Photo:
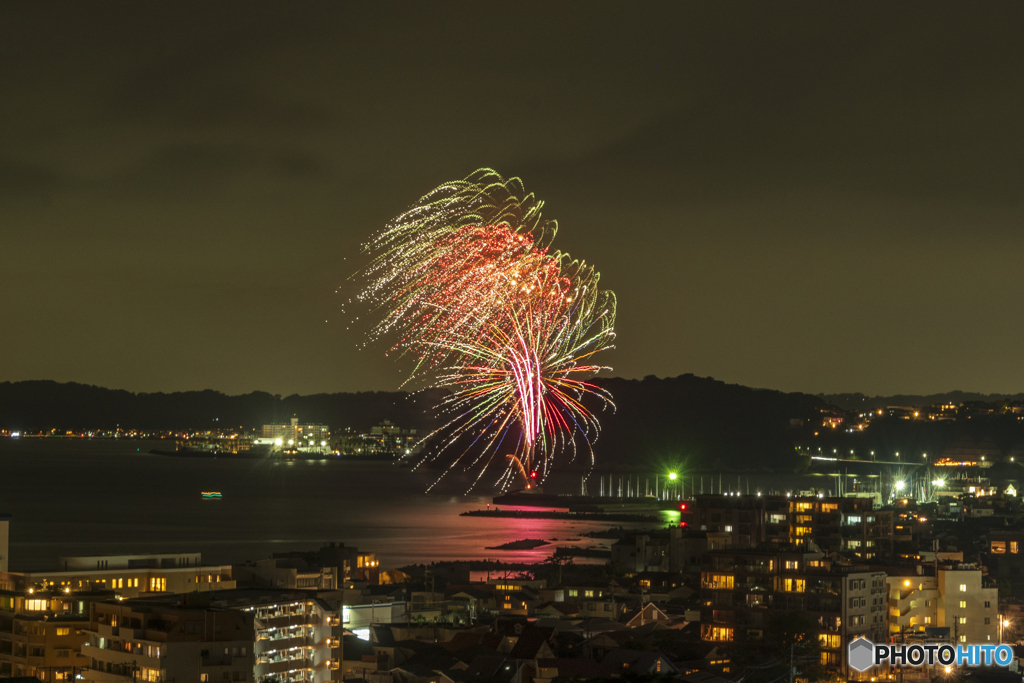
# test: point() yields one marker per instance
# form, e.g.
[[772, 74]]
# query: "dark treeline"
[[43, 405]]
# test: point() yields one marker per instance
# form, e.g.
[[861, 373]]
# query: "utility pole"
[[792, 670]]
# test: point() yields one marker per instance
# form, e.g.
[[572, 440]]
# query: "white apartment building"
[[298, 637], [954, 599]]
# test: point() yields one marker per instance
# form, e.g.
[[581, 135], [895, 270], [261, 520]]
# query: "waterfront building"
[[292, 573], [127, 576], [385, 439], [149, 641], [305, 438], [324, 569]]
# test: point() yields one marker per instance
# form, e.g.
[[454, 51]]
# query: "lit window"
[[718, 581], [963, 639], [963, 620], [36, 605], [963, 604], [1013, 546], [717, 633], [963, 587], [63, 631], [830, 640]]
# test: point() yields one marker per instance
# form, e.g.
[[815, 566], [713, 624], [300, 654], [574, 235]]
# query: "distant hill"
[[703, 422], [658, 422], [861, 402], [50, 405]]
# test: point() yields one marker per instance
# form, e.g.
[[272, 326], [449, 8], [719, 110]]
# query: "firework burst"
[[466, 284]]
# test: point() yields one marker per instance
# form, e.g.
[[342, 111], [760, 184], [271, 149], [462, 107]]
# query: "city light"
[[900, 485], [939, 482], [672, 476]]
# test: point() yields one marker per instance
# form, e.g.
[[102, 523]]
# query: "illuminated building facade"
[[955, 599], [833, 524], [385, 439], [40, 634], [128, 576], [307, 438], [140, 641], [744, 590], [297, 637]]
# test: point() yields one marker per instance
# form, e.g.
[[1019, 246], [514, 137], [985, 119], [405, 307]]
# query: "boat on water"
[[212, 495]]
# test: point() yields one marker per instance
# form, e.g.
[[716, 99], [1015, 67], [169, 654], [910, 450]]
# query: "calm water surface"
[[76, 497]]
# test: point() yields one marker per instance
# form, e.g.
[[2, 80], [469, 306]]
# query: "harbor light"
[[672, 476], [900, 485], [939, 482]]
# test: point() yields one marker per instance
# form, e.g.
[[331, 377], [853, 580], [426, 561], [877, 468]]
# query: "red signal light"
[[683, 507], [533, 475]]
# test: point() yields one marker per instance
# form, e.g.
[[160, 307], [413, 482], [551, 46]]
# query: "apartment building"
[[744, 590], [312, 438], [833, 524], [297, 636], [954, 598], [40, 634], [155, 642], [128, 576]]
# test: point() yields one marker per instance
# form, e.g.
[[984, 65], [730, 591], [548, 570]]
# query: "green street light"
[[672, 476]]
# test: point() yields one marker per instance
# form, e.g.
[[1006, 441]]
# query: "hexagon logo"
[[861, 654]]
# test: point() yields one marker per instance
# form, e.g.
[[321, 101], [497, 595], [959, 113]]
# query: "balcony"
[[279, 644], [284, 665]]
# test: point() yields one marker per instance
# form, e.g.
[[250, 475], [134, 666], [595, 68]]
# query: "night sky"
[[801, 197]]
